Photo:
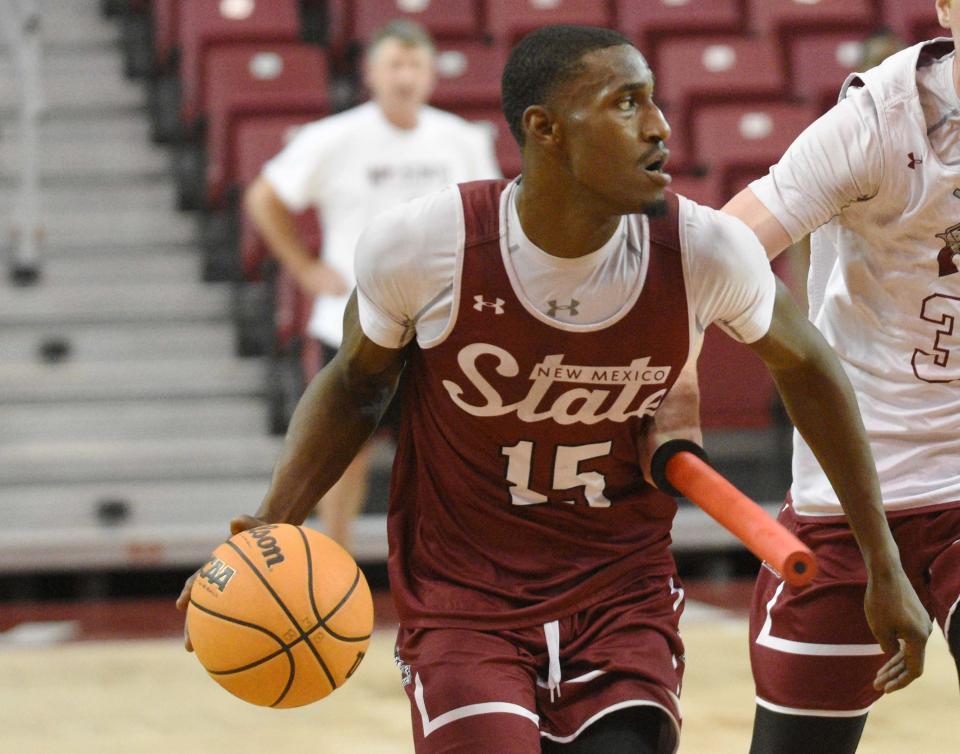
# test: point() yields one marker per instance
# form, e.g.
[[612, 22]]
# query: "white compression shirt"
[[407, 260]]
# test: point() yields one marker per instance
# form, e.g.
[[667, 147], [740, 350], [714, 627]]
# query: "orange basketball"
[[280, 616]]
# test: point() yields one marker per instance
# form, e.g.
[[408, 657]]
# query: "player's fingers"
[[184, 598], [914, 652], [892, 668], [187, 644], [243, 523]]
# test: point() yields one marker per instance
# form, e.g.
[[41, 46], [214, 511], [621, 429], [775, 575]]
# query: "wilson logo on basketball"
[[217, 573], [267, 544]]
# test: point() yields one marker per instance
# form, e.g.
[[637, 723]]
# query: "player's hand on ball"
[[902, 626], [237, 525]]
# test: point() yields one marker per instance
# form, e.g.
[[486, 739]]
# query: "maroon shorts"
[[811, 649], [474, 692]]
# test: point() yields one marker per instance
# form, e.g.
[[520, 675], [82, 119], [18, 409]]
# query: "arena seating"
[[248, 81], [508, 153], [695, 71], [912, 19], [507, 20], [786, 18], [468, 75], [644, 22], [734, 140], [445, 19], [166, 23], [204, 24], [837, 55]]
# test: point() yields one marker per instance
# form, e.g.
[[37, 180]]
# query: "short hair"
[[543, 60], [408, 33]]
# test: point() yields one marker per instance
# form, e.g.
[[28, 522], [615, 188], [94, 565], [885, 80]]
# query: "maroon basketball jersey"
[[517, 497]]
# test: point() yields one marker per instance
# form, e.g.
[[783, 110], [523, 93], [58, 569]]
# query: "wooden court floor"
[[150, 697]]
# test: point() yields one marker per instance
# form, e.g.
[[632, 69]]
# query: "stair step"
[[104, 303], [131, 380], [98, 160], [104, 343], [129, 226], [116, 421], [59, 199], [182, 268], [90, 461]]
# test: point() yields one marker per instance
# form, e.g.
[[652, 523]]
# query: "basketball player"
[[879, 178], [539, 325]]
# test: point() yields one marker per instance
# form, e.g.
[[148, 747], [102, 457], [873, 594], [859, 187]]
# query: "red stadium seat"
[[250, 81], [642, 21], [508, 152], [742, 141], [166, 21], [508, 20], [468, 75], [786, 18], [695, 71], [206, 24], [444, 19], [914, 20], [837, 54], [258, 140]]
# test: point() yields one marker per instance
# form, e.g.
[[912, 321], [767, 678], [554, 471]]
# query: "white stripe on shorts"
[[470, 710], [811, 712], [788, 646]]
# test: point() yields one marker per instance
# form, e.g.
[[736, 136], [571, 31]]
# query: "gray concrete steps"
[[59, 199], [128, 226], [106, 342], [115, 421], [98, 461], [181, 268], [104, 302], [64, 161], [130, 380]]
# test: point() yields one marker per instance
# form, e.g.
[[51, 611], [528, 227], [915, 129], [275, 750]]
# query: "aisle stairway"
[[129, 432]]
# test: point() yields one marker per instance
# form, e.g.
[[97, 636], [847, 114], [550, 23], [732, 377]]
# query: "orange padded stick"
[[747, 521]]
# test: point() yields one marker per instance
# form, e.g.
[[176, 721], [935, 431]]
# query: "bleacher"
[[227, 80]]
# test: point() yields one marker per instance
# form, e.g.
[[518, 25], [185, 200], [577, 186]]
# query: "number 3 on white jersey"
[[566, 473]]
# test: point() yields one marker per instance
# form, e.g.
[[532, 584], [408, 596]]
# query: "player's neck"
[[404, 118], [558, 220]]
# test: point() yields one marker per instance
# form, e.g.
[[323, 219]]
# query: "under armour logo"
[[497, 305], [571, 307], [914, 161]]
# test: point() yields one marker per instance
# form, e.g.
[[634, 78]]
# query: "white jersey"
[[408, 262], [884, 282], [353, 165]]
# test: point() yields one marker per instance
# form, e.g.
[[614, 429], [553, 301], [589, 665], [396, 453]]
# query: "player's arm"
[[822, 405], [338, 412], [835, 162]]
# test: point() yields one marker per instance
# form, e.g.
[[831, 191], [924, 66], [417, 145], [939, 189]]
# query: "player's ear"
[[539, 126], [944, 9]]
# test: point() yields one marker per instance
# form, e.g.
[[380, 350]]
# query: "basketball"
[[280, 615]]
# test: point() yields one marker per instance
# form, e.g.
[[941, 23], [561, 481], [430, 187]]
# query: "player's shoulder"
[[708, 232], [423, 224]]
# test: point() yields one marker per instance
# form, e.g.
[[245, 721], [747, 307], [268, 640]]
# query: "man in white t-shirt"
[[878, 180], [350, 167], [541, 327]]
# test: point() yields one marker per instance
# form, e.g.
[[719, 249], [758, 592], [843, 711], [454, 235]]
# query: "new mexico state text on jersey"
[[575, 406]]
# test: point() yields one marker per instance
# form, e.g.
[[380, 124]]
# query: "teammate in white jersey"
[[350, 167], [878, 180]]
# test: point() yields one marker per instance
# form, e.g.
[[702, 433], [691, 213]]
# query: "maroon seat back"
[[251, 81]]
